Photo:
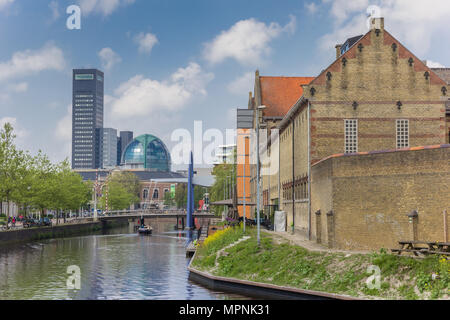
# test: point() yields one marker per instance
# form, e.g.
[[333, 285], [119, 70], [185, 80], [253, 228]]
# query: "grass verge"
[[401, 277]]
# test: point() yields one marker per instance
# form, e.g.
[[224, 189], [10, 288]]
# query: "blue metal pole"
[[190, 195]]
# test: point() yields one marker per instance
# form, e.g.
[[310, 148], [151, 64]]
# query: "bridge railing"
[[138, 212], [142, 211]]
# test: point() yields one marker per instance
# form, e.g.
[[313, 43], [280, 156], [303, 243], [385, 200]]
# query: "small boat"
[[145, 230]]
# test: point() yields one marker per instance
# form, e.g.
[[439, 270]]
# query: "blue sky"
[[168, 63]]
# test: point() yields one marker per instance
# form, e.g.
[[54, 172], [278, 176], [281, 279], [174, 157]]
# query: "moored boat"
[[145, 230]]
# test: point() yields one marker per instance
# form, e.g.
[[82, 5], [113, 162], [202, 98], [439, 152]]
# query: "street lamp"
[[258, 174], [245, 158], [228, 186]]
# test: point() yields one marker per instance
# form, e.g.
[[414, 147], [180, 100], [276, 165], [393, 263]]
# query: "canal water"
[[117, 265]]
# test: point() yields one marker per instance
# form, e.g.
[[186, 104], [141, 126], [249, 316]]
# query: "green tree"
[[42, 183], [129, 181], [123, 189], [69, 189], [222, 172], [181, 195], [168, 200], [35, 182], [199, 191], [14, 164]]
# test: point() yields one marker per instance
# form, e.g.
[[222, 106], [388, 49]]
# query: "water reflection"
[[117, 265]]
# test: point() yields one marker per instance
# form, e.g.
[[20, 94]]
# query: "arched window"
[[145, 194], [156, 194]]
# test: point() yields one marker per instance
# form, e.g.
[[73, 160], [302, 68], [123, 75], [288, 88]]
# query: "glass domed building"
[[146, 152]]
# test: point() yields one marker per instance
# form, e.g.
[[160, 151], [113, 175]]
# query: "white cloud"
[[341, 9], [192, 78], [29, 62], [146, 42], [140, 96], [5, 3], [247, 41], [411, 21], [54, 7], [432, 64], [109, 58], [311, 7], [103, 7], [242, 84]]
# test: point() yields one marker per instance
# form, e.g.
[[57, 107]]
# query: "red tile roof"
[[279, 94]]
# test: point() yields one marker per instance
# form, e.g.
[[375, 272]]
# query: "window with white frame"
[[402, 128], [351, 135]]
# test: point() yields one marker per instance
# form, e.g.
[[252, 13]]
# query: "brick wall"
[[370, 196]]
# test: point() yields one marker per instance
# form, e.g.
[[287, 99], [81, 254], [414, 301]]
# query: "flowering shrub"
[[215, 242], [215, 236]]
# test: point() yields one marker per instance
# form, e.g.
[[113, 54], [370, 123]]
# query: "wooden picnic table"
[[423, 247]]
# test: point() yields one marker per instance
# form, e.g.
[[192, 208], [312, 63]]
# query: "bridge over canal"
[[178, 216]]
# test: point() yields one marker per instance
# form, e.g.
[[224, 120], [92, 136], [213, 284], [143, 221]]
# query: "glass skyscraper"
[[87, 119]]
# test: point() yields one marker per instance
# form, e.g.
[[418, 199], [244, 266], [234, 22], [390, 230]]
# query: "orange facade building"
[[277, 94]]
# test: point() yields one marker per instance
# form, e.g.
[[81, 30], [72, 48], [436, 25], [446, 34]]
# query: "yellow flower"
[[215, 236]]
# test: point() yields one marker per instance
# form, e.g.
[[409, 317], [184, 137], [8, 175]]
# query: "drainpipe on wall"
[[309, 170], [293, 174], [279, 177]]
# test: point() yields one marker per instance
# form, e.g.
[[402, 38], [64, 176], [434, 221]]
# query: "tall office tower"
[[109, 145], [87, 119], [125, 138]]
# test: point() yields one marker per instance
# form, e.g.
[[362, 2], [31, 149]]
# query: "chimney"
[[377, 23], [338, 50]]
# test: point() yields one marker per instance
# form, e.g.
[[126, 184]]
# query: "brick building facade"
[[376, 95], [153, 193]]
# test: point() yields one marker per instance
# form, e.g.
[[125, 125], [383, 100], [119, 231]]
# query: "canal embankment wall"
[[258, 289], [59, 231]]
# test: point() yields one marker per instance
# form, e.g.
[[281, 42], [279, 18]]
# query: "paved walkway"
[[302, 241]]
